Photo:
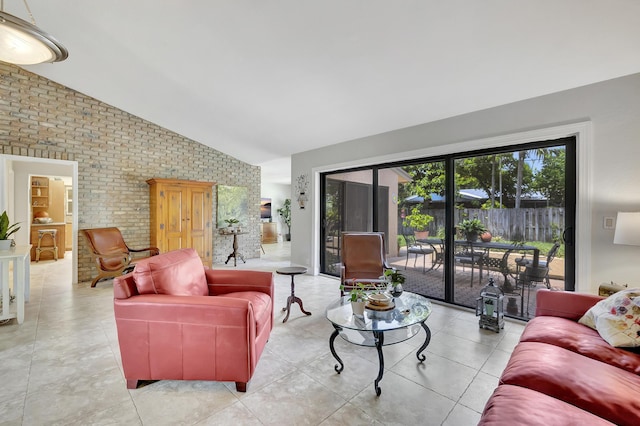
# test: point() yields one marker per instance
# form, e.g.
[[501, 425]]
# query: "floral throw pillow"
[[617, 318]]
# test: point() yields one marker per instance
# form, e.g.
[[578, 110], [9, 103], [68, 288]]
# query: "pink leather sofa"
[[178, 320], [563, 373]]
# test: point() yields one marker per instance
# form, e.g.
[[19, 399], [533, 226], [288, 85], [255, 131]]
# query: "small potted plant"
[[488, 307], [231, 221], [6, 230], [358, 298], [471, 228], [395, 280], [285, 214], [419, 222]]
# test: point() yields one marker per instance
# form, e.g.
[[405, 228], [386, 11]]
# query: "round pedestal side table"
[[292, 271]]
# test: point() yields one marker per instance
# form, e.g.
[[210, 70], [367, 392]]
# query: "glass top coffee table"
[[377, 328]]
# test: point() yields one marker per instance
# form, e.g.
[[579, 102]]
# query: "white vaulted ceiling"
[[262, 79]]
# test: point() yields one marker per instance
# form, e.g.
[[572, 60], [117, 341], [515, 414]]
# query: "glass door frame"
[[570, 180], [571, 188]]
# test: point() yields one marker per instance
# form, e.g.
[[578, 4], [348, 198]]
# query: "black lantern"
[[489, 307]]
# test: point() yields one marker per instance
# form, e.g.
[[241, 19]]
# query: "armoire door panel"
[[175, 214], [198, 243], [198, 223], [174, 243]]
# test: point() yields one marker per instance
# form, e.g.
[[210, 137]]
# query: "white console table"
[[20, 257]]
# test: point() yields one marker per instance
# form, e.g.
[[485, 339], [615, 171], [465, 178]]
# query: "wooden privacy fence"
[[530, 224]]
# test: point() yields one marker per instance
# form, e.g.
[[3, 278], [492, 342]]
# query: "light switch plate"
[[609, 223]]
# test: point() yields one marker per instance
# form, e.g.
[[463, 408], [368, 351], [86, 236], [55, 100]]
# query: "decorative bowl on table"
[[379, 299], [43, 220]]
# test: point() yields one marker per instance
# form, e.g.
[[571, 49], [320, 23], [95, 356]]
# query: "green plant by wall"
[[6, 230], [471, 228], [417, 220], [285, 214]]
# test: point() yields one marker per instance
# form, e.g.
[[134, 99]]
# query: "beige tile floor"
[[62, 366]]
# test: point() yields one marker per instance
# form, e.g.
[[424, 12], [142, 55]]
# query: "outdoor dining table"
[[501, 264]]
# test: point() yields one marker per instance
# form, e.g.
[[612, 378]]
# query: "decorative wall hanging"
[[301, 188]]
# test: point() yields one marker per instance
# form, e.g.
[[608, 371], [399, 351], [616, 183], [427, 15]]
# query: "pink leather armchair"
[[177, 320]]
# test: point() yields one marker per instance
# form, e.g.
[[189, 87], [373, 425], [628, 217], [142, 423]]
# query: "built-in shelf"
[[39, 193]]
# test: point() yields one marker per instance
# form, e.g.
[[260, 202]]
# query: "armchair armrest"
[[106, 261], [222, 281], [210, 311], [153, 251], [124, 287], [564, 304]]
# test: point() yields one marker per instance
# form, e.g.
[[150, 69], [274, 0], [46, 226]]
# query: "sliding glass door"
[[510, 216], [452, 223], [348, 201], [421, 225]]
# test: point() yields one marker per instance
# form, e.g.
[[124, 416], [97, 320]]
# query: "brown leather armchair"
[[178, 320], [363, 259], [111, 253]]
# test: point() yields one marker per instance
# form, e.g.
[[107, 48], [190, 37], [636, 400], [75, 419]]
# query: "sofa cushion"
[[261, 304], [177, 273], [514, 405], [581, 339], [602, 389], [617, 318]]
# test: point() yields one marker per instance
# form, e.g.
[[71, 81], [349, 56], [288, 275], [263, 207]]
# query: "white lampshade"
[[627, 229], [22, 43]]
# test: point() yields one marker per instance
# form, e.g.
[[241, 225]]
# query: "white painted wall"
[[607, 114], [278, 193]]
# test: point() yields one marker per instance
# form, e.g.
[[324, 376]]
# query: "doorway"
[[15, 194]]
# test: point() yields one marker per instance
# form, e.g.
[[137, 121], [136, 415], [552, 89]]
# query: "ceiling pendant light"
[[22, 43]]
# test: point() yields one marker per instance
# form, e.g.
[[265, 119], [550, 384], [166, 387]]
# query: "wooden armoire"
[[181, 216]]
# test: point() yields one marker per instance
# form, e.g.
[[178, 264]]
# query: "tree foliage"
[[493, 173], [428, 178], [496, 174], [550, 181]]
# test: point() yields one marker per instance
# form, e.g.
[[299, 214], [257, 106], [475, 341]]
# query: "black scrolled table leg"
[[296, 299], [379, 337], [293, 299], [421, 357], [335, 333]]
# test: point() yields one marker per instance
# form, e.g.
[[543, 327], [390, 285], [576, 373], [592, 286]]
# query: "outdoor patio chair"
[[417, 249], [530, 276], [438, 256], [466, 255], [523, 262]]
